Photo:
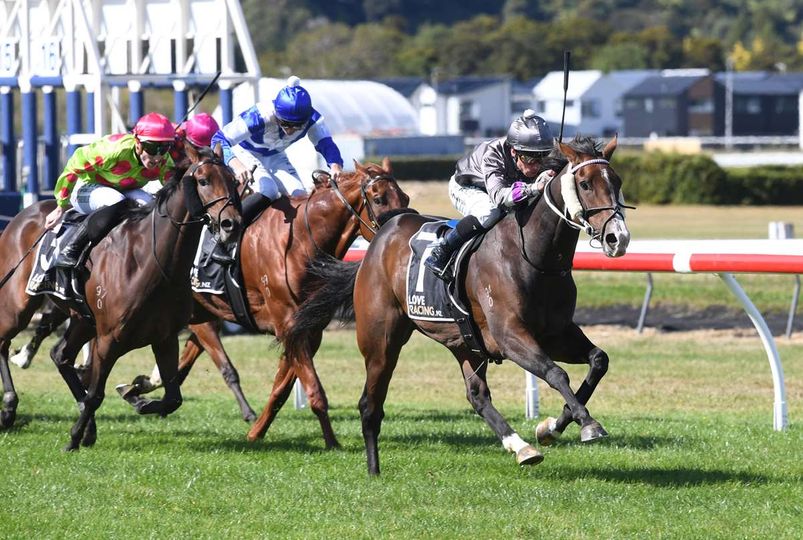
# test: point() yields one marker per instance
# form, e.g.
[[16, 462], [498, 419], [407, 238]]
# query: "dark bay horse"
[[138, 289], [275, 254], [518, 286]]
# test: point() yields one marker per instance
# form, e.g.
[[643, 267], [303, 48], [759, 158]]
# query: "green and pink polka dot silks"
[[111, 161]]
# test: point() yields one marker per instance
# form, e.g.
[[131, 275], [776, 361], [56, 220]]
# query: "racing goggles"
[[156, 148], [290, 125], [530, 157]]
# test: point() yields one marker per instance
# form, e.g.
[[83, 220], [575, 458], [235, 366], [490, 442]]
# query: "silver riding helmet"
[[530, 133]]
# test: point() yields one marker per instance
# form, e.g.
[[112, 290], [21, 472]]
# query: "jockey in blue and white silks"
[[254, 145]]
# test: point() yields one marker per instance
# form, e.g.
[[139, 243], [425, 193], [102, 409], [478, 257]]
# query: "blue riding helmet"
[[292, 103]]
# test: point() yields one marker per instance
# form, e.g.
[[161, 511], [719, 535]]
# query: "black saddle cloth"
[[46, 278]]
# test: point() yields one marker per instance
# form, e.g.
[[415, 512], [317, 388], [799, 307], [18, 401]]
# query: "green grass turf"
[[691, 452]]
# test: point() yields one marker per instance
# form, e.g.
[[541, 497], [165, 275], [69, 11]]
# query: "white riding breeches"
[[274, 175], [86, 198], [470, 200]]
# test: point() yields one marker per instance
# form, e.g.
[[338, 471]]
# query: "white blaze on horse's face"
[[616, 236]]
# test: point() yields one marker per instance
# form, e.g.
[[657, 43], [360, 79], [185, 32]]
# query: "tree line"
[[524, 38]]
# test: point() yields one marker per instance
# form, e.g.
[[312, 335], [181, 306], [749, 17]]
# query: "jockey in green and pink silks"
[[101, 178]]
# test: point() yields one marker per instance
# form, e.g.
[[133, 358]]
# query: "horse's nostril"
[[227, 225], [611, 239]]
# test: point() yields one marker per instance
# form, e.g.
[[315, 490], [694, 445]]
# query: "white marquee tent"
[[352, 110]]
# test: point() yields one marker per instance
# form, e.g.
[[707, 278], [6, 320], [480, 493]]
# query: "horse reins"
[[584, 225], [373, 226], [205, 217]]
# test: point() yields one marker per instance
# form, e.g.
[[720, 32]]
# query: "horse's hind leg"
[[166, 353], [576, 348], [207, 337], [16, 314], [51, 319], [316, 395], [10, 400], [479, 395], [380, 340], [282, 385]]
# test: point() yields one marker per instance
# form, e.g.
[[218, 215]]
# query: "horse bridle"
[[202, 209], [373, 226], [584, 213]]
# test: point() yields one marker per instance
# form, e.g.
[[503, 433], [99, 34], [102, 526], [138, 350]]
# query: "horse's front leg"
[[63, 355], [479, 395], [282, 384], [207, 337], [518, 344], [575, 348], [103, 357]]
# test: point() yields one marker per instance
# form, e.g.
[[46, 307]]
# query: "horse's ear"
[[218, 151], [386, 165], [607, 152], [358, 166], [320, 178], [192, 153], [567, 151]]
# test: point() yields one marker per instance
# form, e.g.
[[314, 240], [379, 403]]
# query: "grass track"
[[691, 453]]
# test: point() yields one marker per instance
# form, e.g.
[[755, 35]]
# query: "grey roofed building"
[[764, 103], [675, 103]]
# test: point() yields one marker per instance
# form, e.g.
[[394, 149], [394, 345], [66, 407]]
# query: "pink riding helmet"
[[154, 127], [200, 128]]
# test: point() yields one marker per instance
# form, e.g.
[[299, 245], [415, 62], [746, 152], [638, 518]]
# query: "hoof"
[[22, 358], [7, 419], [250, 416], [254, 435], [546, 432], [592, 432], [90, 435], [529, 456], [128, 390], [71, 447]]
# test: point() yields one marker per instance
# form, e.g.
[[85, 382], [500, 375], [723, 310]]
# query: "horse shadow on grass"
[[663, 477]]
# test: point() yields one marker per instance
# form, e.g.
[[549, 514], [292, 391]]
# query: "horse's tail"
[[331, 296]]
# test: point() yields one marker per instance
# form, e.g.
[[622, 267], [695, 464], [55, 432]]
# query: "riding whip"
[[566, 58], [11, 272], [197, 101]]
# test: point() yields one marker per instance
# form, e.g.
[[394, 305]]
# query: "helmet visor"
[[290, 125], [531, 157], [156, 148]]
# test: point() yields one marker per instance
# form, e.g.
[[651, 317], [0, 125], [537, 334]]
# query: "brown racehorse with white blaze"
[[518, 287]]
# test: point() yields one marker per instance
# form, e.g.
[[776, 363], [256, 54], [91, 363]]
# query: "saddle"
[[65, 283], [215, 274], [432, 299]]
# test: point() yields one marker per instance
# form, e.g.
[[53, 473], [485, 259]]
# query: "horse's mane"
[[137, 213], [580, 144], [586, 145]]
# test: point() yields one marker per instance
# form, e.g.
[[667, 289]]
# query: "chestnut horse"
[[518, 286], [138, 289], [275, 254]]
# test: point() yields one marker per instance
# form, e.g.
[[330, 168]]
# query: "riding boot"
[[69, 256], [443, 248], [93, 229], [253, 205]]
